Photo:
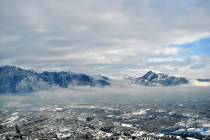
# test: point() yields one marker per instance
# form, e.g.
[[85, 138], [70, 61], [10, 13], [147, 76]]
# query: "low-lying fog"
[[132, 94]]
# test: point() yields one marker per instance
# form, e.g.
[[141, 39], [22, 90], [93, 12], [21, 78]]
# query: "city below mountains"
[[17, 80]]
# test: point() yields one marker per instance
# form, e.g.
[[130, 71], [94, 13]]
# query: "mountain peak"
[[149, 74], [160, 79]]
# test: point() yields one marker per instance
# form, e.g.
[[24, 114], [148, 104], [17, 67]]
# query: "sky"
[[116, 38]]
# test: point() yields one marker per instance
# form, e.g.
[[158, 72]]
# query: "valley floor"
[[164, 120]]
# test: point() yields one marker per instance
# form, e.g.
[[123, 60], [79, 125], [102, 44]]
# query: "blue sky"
[[200, 47], [116, 38]]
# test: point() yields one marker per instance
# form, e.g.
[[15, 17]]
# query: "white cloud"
[[165, 59], [168, 51], [86, 34], [188, 37]]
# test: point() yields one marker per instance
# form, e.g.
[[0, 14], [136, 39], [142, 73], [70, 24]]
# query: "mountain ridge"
[[18, 80], [15, 79], [159, 79]]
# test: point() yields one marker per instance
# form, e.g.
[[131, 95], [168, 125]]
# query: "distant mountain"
[[17, 80], [203, 80], [159, 79]]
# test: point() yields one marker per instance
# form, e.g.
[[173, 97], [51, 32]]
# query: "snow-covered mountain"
[[159, 79], [17, 80]]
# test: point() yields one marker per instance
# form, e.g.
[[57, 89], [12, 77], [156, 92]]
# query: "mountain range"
[[17, 80], [203, 80]]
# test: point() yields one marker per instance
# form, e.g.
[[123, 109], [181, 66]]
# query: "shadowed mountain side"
[[17, 80]]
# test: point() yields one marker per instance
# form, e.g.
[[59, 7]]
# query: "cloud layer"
[[116, 38]]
